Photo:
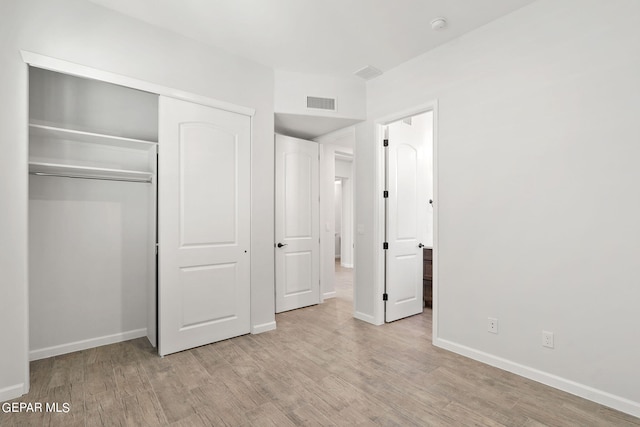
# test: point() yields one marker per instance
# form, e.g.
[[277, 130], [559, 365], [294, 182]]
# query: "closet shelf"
[[40, 130], [88, 172]]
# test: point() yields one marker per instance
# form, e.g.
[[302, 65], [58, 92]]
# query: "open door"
[[297, 243], [406, 219], [203, 225]]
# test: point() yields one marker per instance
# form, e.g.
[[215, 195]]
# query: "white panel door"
[[406, 220], [203, 225], [297, 221]]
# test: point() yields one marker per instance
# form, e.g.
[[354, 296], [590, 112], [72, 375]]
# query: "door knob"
[[420, 245], [280, 245]]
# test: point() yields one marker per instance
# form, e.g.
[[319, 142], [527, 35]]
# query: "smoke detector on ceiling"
[[368, 72], [438, 24]]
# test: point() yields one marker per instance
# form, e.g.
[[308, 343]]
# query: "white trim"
[[435, 260], [264, 327], [26, 385], [57, 350], [252, 278], [346, 265], [344, 156], [366, 318], [578, 389], [378, 226], [328, 295], [61, 66], [321, 242], [12, 392], [378, 232]]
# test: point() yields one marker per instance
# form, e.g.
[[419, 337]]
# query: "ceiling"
[[318, 36], [309, 127], [332, 37]]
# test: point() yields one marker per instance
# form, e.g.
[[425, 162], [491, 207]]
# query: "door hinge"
[[385, 143], [385, 194], [157, 245], [385, 245], [385, 297]]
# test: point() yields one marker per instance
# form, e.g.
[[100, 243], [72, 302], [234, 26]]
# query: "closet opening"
[[125, 243], [92, 213]]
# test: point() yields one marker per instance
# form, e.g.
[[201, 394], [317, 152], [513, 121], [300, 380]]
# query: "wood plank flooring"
[[320, 367]]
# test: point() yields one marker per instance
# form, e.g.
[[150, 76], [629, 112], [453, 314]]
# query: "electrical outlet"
[[492, 326], [547, 339]]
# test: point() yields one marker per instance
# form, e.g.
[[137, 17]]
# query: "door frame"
[[379, 206], [339, 150]]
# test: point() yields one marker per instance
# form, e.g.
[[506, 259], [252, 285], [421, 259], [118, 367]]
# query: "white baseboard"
[[328, 295], [11, 392], [264, 327], [365, 318], [616, 402], [57, 350], [345, 265]]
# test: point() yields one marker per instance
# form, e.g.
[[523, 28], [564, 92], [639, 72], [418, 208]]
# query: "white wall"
[[343, 169], [88, 246], [78, 31], [365, 295], [537, 201], [292, 89], [341, 141]]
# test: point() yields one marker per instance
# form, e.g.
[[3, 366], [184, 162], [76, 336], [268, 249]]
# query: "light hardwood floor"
[[320, 367]]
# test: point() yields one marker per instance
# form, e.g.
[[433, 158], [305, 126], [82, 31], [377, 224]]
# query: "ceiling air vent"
[[368, 72], [328, 104]]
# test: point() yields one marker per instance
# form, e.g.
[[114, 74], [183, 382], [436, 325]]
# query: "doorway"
[[297, 235], [408, 226], [336, 162], [343, 225]]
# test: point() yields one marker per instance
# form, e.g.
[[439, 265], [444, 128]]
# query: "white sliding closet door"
[[203, 225]]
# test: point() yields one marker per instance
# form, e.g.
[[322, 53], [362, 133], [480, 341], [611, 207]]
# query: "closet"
[[108, 259]]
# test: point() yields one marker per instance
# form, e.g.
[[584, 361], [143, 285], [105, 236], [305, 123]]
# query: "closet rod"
[[102, 178]]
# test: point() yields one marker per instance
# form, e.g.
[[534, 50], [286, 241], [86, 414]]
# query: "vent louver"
[[368, 72], [318, 103]]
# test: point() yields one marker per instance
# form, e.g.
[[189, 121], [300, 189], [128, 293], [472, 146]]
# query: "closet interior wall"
[[92, 237]]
